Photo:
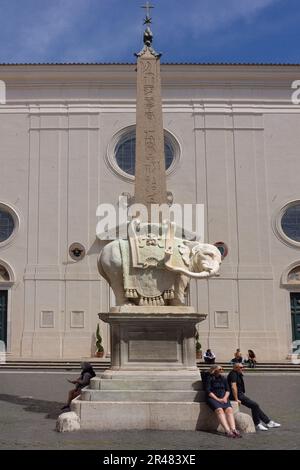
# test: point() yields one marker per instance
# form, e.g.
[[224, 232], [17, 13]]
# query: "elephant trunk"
[[210, 271], [202, 275]]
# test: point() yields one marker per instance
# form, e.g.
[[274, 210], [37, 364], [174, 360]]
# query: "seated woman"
[[251, 358], [87, 373], [217, 398]]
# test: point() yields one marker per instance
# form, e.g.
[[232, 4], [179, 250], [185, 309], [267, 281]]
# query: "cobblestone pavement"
[[30, 403]]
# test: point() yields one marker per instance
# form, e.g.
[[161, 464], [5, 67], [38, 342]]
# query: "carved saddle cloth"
[[144, 268]]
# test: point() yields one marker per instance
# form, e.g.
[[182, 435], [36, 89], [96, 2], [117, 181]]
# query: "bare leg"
[[222, 419], [72, 394], [230, 418]]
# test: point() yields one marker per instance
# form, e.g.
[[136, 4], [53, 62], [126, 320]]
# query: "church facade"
[[67, 136]]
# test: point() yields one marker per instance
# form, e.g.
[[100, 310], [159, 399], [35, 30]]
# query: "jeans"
[[257, 414], [209, 360]]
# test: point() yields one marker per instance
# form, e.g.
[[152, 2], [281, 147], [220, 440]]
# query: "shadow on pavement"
[[52, 409]]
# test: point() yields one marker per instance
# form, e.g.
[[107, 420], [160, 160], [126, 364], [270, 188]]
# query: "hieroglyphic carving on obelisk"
[[150, 173]]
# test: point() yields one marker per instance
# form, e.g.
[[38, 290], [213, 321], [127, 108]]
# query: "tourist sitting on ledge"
[[209, 357], [238, 358], [237, 393], [217, 398], [251, 361], [87, 373]]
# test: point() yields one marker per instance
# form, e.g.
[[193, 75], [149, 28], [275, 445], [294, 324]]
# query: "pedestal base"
[[152, 338], [153, 382]]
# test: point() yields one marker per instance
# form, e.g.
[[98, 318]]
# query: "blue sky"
[[184, 30]]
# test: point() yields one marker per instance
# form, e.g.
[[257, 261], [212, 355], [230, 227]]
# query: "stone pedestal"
[[153, 382], [152, 338]]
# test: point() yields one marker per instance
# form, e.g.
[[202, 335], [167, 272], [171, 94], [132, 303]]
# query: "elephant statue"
[[163, 275]]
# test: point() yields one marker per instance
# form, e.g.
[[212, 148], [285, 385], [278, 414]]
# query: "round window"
[[290, 222], [7, 225], [125, 151]]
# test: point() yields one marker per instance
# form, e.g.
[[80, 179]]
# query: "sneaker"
[[261, 427], [272, 424]]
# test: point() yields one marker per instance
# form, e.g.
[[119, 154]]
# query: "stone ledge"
[[135, 383], [155, 313], [164, 416], [143, 396]]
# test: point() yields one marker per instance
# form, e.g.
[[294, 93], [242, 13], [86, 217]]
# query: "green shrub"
[[99, 340]]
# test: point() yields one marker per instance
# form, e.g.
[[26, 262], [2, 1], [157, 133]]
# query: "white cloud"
[[204, 16], [57, 18]]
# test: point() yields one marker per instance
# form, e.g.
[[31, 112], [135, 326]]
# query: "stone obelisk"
[[153, 381], [150, 171]]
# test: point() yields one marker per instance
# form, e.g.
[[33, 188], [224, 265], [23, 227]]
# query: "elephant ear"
[[185, 251]]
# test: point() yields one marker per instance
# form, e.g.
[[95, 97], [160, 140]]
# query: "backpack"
[[205, 375]]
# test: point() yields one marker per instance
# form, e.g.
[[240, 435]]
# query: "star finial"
[[148, 7], [148, 35]]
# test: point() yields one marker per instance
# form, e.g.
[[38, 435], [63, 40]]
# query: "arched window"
[[4, 275], [294, 276], [7, 224], [290, 221], [125, 152]]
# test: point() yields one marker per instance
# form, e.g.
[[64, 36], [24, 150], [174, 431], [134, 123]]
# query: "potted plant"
[[198, 347], [100, 349]]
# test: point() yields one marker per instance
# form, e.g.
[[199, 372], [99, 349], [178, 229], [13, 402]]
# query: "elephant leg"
[[117, 286], [181, 285]]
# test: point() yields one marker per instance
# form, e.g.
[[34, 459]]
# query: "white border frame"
[[113, 165]]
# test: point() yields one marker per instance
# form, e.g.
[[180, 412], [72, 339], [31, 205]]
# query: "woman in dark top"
[[217, 398], [87, 373], [251, 358]]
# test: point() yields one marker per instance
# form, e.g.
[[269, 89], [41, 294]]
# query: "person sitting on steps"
[[251, 361], [209, 357], [87, 373], [237, 393], [238, 358], [217, 398]]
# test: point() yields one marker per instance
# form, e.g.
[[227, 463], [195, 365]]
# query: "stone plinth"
[[153, 382], [152, 338]]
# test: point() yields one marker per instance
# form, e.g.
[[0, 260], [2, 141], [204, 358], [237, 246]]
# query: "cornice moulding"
[[110, 73]]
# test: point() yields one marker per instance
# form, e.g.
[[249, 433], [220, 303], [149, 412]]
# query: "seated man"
[[237, 393], [238, 358], [209, 357]]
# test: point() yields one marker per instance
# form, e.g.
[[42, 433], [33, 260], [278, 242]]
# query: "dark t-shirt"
[[216, 385], [85, 380], [235, 377]]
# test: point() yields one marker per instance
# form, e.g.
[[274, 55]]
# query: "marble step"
[[142, 395], [116, 384]]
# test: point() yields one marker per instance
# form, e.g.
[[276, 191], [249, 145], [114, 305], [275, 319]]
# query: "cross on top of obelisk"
[[148, 35], [148, 7]]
